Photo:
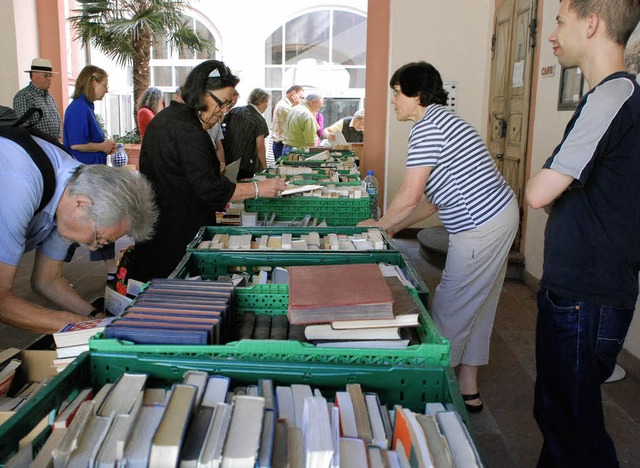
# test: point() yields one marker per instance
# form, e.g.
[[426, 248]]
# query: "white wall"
[[548, 127], [18, 49], [457, 41]]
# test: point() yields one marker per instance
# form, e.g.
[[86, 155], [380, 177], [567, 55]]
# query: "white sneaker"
[[618, 374]]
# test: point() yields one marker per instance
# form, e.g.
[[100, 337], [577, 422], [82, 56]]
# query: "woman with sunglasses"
[[179, 159]]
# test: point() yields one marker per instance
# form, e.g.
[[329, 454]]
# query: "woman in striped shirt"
[[449, 170]]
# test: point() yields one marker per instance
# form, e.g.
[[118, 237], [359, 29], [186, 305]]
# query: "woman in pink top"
[[150, 103]]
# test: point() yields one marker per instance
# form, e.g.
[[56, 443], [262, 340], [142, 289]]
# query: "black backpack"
[[14, 129]]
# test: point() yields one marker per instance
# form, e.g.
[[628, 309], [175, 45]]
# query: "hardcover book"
[[324, 293]]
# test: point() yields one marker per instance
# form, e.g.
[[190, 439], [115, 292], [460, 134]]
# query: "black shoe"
[[472, 408]]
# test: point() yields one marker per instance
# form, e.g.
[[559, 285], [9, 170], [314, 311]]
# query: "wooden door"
[[512, 46]]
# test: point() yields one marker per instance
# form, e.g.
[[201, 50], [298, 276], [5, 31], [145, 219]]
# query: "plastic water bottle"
[[371, 186], [120, 157]]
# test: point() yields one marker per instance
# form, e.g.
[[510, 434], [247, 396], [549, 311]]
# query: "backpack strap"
[[27, 115], [22, 136]]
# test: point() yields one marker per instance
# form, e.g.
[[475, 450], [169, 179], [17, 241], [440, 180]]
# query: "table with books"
[[316, 343]]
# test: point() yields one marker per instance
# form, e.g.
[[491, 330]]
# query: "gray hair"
[[151, 99], [257, 96], [118, 195], [313, 97], [359, 115]]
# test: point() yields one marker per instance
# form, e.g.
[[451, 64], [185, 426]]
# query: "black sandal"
[[472, 408]]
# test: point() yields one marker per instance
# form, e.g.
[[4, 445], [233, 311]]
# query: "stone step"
[[434, 242]]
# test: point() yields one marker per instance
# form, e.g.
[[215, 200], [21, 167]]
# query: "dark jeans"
[[576, 348], [277, 149]]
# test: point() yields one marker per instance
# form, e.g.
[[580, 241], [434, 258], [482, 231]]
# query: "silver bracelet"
[[255, 185]]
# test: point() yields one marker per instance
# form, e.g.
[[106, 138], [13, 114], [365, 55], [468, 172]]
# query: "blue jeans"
[[576, 348], [277, 149]]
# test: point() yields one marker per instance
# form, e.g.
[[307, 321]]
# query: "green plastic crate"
[[211, 264], [411, 387], [433, 351], [335, 211], [206, 233]]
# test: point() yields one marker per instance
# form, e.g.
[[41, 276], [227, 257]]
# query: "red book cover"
[[323, 293]]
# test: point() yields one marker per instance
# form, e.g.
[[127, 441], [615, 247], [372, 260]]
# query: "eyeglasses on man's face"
[[96, 244]]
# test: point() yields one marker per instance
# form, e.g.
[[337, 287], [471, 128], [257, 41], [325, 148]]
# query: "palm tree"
[[125, 30]]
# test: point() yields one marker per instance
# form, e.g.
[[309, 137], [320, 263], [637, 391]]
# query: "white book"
[[243, 439], [216, 390], [462, 448], [335, 436], [198, 379], [316, 432], [418, 440], [45, 456], [211, 453], [62, 453], [90, 441], [66, 416], [374, 411], [347, 415], [123, 394], [167, 441], [138, 446], [71, 351], [112, 450], [353, 453], [284, 399], [300, 393]]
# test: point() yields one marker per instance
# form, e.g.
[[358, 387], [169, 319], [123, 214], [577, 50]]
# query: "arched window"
[[169, 66], [323, 51]]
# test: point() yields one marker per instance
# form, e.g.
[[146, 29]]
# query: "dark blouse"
[[179, 159]]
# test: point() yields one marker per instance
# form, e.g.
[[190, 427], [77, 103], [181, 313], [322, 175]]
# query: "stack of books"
[[351, 306], [73, 339], [203, 421], [177, 311]]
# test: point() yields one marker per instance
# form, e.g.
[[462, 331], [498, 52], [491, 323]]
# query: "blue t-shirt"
[[21, 189], [81, 127], [592, 238]]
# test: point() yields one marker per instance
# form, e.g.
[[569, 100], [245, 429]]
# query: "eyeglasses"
[[221, 104], [95, 244], [106, 87]]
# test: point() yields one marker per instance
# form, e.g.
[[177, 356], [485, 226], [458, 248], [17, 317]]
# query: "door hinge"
[[493, 45], [533, 31]]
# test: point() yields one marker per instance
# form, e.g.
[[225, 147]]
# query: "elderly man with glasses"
[[91, 205], [36, 94]]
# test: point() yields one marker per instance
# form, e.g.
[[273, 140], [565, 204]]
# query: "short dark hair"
[[420, 79], [294, 89], [208, 76]]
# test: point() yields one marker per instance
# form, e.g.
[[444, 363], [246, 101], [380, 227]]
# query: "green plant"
[[131, 137], [125, 30]]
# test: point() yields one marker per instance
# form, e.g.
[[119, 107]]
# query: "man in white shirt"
[[294, 95]]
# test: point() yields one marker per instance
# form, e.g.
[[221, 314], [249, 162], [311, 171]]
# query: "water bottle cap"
[[120, 145], [369, 172]]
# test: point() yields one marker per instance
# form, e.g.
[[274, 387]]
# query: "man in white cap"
[[36, 94]]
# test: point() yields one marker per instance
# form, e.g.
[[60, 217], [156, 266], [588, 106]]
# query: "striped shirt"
[[245, 124], [32, 96], [464, 183]]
